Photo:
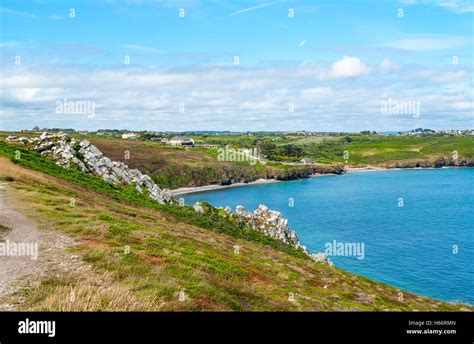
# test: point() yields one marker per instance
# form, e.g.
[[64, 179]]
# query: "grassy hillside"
[[388, 151], [146, 256], [174, 167]]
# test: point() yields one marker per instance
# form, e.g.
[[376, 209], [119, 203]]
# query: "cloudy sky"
[[237, 65]]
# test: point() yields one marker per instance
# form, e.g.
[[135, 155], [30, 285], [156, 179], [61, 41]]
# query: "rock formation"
[[270, 223], [89, 159]]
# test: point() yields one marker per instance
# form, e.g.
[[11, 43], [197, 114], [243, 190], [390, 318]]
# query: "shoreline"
[[213, 187], [375, 168], [366, 169]]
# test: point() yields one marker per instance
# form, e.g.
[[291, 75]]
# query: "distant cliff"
[[443, 162]]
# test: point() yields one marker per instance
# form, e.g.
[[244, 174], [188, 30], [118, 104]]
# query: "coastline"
[[366, 169], [375, 168], [212, 187]]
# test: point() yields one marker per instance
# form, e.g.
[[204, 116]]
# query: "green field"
[[385, 151]]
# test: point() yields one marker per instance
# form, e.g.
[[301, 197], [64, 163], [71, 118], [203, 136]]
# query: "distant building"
[[306, 161], [181, 141], [165, 140], [130, 136]]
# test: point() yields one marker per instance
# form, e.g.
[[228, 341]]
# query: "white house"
[[181, 141], [129, 136]]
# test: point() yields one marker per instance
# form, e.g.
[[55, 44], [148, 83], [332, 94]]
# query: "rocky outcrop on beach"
[[89, 159]]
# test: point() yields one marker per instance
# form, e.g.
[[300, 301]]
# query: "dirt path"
[[19, 270]]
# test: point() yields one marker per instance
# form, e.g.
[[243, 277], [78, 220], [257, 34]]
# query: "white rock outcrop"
[[269, 222], [321, 258], [198, 208], [65, 150], [272, 223]]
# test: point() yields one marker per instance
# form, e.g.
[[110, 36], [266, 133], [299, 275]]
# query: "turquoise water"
[[412, 246]]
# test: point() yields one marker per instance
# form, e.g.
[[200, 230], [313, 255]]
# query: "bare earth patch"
[[20, 272]]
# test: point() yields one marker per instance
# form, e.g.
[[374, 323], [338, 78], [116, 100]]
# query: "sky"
[[243, 65]]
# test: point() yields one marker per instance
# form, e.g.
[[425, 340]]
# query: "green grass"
[[379, 150]]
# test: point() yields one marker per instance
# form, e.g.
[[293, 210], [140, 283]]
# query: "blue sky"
[[329, 67]]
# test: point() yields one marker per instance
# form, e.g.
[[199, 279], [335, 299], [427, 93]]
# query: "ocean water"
[[417, 226]]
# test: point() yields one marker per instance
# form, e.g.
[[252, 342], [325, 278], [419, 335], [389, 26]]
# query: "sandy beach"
[[188, 190], [365, 169]]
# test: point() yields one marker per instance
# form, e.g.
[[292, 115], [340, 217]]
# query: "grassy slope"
[[174, 167], [173, 252]]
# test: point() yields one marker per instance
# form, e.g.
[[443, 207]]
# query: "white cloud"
[[386, 66], [440, 75], [463, 105], [450, 77], [10, 11], [17, 13], [56, 17], [143, 48], [456, 6], [348, 67], [429, 43]]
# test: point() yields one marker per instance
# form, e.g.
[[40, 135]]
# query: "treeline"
[[271, 151]]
